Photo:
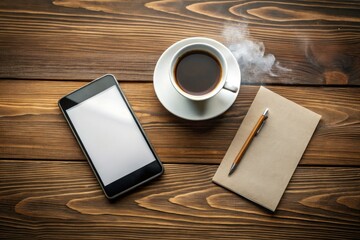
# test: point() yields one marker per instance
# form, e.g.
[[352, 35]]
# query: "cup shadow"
[[200, 106]]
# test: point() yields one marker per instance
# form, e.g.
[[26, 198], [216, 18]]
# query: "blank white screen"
[[110, 135]]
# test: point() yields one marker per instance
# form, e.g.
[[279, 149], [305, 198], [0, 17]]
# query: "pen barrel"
[[249, 139]]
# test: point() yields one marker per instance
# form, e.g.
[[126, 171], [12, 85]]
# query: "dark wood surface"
[[49, 48]]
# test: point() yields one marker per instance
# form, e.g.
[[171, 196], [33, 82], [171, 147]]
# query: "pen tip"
[[231, 169]]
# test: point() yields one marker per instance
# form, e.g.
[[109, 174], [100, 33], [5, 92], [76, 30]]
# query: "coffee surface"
[[197, 72]]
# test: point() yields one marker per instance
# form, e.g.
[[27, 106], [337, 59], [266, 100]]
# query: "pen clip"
[[262, 124], [265, 115]]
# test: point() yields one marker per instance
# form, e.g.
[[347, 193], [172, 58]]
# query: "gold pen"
[[253, 133]]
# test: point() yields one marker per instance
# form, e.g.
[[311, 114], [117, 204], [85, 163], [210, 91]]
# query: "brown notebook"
[[268, 164]]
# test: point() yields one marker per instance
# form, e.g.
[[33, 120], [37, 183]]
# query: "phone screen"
[[107, 129]]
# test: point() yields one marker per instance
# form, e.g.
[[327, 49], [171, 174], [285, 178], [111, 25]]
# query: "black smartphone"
[[110, 136]]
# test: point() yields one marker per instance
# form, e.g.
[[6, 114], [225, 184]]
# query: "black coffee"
[[197, 72]]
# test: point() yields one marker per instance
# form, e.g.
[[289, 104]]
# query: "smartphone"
[[110, 136]]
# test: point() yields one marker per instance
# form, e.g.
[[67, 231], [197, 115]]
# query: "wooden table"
[[49, 48]]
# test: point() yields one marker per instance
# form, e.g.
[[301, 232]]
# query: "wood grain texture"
[[78, 39], [49, 48], [32, 126], [57, 200]]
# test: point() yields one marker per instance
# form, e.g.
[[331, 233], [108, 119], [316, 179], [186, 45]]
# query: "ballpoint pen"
[[253, 133]]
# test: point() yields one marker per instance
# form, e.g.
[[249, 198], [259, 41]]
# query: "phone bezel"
[[132, 180]]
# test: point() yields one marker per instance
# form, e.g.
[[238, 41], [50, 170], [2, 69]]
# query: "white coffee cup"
[[199, 68]]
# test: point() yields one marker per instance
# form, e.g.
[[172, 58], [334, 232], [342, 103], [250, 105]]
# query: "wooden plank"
[[32, 127], [42, 199], [78, 39]]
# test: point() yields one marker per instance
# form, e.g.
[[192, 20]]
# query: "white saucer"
[[182, 107]]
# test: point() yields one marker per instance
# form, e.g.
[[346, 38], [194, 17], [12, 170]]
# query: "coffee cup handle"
[[230, 87]]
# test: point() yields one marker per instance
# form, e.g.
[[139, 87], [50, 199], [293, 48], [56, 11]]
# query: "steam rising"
[[250, 53]]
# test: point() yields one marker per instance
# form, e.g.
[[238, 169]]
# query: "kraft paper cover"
[[268, 164]]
